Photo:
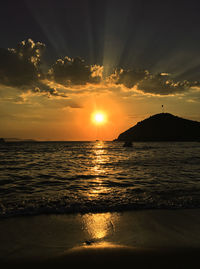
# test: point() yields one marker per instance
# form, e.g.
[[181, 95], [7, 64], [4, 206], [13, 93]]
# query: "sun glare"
[[99, 117]]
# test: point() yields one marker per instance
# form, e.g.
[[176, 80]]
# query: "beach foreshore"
[[145, 239]]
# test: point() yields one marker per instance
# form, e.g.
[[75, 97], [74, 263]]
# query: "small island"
[[163, 127], [2, 141]]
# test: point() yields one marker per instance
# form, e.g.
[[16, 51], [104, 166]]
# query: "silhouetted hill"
[[163, 127]]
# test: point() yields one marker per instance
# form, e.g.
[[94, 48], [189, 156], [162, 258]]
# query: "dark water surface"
[[69, 177]]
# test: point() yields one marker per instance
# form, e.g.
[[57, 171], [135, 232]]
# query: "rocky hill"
[[163, 127]]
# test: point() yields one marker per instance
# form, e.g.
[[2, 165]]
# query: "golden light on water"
[[99, 158], [99, 226]]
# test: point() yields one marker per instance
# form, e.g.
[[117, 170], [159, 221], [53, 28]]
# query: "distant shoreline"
[[94, 141]]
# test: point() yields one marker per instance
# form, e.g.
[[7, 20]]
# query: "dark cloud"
[[19, 67], [45, 89], [31, 51], [130, 78], [160, 84], [75, 71]]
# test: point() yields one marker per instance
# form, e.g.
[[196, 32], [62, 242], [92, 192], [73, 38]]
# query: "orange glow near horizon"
[[85, 124]]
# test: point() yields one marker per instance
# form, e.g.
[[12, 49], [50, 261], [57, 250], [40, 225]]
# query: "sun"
[[99, 117]]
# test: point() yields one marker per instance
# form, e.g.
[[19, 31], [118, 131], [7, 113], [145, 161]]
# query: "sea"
[[81, 177]]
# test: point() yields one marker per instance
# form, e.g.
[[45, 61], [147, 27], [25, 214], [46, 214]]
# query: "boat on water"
[[128, 144]]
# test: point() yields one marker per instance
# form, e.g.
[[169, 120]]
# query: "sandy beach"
[[149, 238]]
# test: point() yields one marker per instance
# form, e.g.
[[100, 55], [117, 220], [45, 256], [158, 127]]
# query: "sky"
[[63, 61]]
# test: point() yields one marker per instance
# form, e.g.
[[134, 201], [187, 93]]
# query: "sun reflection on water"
[[99, 158], [98, 226]]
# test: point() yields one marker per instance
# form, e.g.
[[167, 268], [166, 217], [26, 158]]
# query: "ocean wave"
[[67, 206], [79, 177]]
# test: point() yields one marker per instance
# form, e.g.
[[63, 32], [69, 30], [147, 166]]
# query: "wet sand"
[[144, 239]]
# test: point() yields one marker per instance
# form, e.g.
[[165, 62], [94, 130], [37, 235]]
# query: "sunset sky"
[[63, 61]]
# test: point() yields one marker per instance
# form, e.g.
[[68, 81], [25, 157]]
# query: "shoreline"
[[107, 257], [114, 237]]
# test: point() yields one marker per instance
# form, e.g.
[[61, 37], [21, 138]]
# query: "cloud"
[[130, 78], [19, 67], [194, 95], [45, 89], [156, 84], [161, 84], [75, 71]]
